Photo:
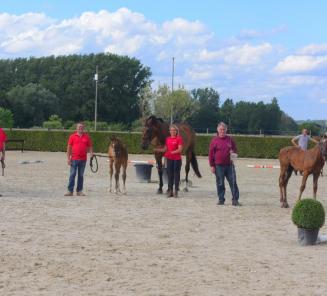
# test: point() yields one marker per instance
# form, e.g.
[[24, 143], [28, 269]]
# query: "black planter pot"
[[143, 172], [307, 237]]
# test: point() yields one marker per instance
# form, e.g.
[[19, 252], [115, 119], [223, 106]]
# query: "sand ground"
[[145, 244]]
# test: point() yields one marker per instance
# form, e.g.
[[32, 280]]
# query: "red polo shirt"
[[80, 145], [172, 145], [3, 138]]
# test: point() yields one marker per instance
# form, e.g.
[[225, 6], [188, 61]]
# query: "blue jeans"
[[77, 166], [227, 171]]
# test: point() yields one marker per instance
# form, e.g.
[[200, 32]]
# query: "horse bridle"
[[148, 134]]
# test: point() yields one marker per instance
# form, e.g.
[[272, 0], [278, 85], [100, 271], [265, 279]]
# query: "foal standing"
[[118, 157]]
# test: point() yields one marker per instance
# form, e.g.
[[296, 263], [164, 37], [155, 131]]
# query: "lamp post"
[[172, 89], [96, 78]]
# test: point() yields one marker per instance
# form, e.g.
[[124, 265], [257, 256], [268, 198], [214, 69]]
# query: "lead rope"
[[233, 169], [94, 166]]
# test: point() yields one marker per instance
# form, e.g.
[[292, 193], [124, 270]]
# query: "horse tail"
[[194, 164]]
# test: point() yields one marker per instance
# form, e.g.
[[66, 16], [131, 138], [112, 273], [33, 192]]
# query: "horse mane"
[[154, 118]]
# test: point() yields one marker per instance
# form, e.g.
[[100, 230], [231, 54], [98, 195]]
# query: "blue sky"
[[247, 50]]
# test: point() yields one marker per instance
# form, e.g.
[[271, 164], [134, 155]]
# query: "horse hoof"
[[159, 191], [185, 189]]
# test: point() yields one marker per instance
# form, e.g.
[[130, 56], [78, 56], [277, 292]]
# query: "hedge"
[[248, 146]]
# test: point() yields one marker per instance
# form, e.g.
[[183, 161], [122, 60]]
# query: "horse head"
[[115, 143], [151, 130]]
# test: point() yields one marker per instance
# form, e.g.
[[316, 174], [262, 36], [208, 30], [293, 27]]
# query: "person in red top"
[[79, 144], [3, 139], [222, 150], [173, 153]]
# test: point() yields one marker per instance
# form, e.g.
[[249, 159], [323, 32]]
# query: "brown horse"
[[308, 162], [156, 131], [118, 157]]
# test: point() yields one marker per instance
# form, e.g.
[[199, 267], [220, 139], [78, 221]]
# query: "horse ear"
[[151, 120], [112, 138]]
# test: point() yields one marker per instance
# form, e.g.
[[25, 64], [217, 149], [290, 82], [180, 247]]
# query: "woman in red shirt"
[[173, 153]]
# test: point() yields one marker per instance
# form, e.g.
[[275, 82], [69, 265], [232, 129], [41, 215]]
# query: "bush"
[[117, 127], [68, 124], [54, 122], [6, 118], [308, 213]]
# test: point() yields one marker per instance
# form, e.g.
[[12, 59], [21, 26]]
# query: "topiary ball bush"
[[308, 213]]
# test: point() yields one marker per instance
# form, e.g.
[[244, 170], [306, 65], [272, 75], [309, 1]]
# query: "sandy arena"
[[146, 244]]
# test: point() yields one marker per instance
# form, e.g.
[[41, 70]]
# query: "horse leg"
[[117, 172], [110, 173], [285, 173], [304, 181], [187, 170], [282, 185], [315, 184], [124, 179], [287, 176], [159, 167]]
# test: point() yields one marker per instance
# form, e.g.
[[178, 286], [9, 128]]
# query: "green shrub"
[[68, 124], [117, 127], [308, 213], [6, 118], [54, 122]]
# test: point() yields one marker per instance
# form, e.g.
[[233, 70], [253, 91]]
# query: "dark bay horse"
[[308, 162], [118, 157], [156, 131]]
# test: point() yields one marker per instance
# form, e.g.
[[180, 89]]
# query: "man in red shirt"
[[222, 148], [79, 144]]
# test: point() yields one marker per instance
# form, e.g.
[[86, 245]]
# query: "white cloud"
[[254, 34], [200, 72], [301, 63], [239, 55], [314, 49], [304, 80]]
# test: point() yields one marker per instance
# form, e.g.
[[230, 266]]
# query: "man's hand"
[[213, 169]]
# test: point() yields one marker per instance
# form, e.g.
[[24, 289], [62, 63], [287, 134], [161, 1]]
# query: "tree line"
[[58, 91]]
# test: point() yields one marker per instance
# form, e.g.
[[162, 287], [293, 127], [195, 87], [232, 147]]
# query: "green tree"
[[146, 97], [70, 78], [273, 117], [31, 104], [313, 128], [226, 112], [6, 118], [287, 123], [178, 104], [206, 114]]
